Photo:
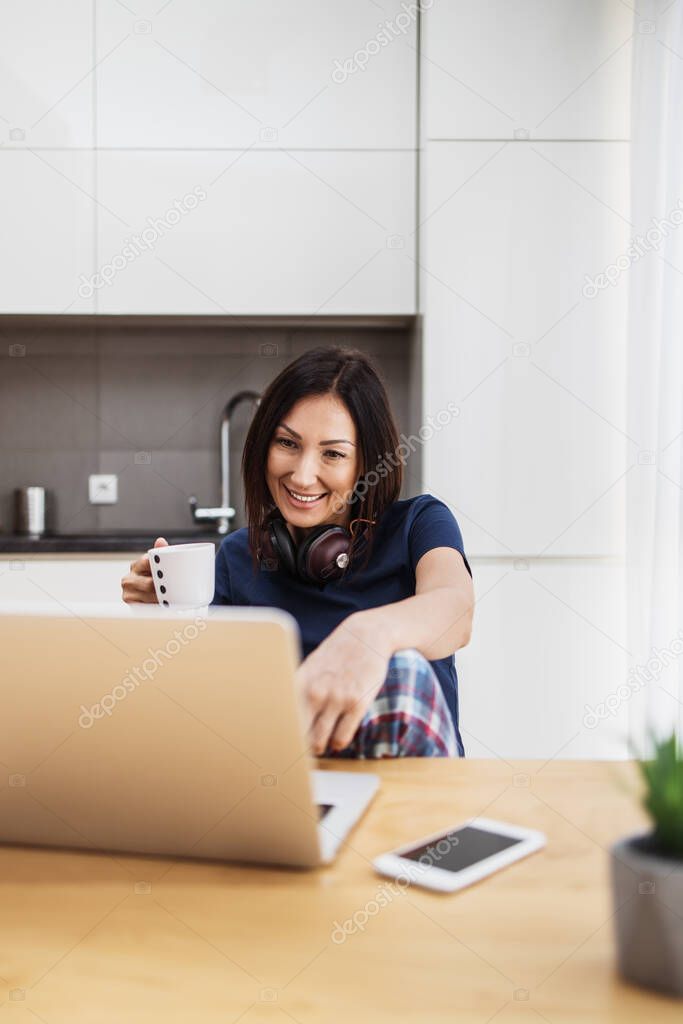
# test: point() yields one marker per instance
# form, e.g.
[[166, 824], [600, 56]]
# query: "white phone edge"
[[394, 865]]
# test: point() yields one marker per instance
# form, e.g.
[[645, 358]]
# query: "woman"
[[381, 588]]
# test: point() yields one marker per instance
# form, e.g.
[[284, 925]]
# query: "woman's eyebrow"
[[338, 440]]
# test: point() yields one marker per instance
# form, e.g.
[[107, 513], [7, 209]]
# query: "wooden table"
[[97, 938]]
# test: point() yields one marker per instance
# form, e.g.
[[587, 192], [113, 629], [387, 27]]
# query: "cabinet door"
[[256, 232], [64, 580], [542, 688], [535, 459], [48, 231], [221, 73], [46, 85], [528, 69], [47, 205]]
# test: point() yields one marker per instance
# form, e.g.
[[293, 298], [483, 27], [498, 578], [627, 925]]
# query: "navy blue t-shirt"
[[406, 530]]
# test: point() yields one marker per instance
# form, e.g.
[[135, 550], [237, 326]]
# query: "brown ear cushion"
[[282, 545], [318, 557]]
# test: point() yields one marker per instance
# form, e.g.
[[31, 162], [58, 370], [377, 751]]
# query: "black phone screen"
[[456, 850]]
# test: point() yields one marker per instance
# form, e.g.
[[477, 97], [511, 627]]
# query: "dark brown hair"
[[350, 376]]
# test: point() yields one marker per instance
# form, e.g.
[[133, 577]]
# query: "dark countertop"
[[94, 543]]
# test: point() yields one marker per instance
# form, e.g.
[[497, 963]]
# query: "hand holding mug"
[[138, 586]]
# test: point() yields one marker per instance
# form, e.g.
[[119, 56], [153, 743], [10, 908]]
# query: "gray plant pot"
[[647, 891]]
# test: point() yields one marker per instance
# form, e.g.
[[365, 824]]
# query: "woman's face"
[[314, 455]]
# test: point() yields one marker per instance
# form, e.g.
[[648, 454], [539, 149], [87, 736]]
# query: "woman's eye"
[[288, 444]]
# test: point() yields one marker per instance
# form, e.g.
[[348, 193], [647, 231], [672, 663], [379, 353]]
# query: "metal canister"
[[30, 510]]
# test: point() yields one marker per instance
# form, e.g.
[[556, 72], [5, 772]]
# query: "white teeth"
[[305, 497]]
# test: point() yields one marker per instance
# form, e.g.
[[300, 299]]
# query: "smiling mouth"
[[304, 499]]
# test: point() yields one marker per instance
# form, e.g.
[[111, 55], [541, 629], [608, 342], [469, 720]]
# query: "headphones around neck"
[[322, 556]]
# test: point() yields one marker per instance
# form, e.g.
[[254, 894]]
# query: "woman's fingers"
[[346, 728], [338, 681], [141, 566], [138, 588], [317, 685], [353, 714], [323, 727], [138, 585], [322, 706], [339, 716]]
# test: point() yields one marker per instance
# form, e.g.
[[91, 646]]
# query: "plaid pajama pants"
[[409, 716]]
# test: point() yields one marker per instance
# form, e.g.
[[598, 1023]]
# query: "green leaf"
[[663, 797]]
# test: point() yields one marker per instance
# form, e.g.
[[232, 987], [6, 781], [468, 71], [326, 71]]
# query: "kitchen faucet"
[[222, 514]]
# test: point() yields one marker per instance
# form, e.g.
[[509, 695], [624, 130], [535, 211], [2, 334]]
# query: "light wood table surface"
[[97, 938]]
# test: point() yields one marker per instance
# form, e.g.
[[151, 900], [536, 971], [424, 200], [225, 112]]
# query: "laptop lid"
[[139, 729]]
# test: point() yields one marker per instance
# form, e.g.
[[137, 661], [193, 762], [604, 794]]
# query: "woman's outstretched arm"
[[437, 620], [343, 675]]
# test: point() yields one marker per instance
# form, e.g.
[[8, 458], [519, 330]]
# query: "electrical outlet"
[[103, 489]]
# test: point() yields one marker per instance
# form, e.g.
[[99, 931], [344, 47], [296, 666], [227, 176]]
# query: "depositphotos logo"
[[638, 247], [389, 30], [138, 245], [150, 666]]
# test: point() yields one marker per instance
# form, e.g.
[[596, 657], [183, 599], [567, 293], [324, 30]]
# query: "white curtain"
[[654, 510]]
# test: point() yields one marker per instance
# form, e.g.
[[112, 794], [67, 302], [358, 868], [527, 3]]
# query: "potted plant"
[[647, 879]]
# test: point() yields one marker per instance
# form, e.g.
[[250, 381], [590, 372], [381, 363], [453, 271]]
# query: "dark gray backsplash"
[[143, 398]]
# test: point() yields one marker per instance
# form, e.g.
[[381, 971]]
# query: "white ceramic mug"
[[183, 574]]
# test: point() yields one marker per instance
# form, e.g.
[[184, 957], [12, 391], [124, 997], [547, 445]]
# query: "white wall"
[[524, 191]]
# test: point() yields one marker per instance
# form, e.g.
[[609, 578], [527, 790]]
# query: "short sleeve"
[[434, 526], [222, 589]]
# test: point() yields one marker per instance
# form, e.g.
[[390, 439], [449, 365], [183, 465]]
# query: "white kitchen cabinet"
[[548, 649], [63, 578], [264, 73], [528, 69], [534, 459], [272, 233], [46, 54], [309, 180], [48, 231]]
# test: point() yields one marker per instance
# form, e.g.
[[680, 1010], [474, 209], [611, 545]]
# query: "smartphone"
[[450, 860]]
